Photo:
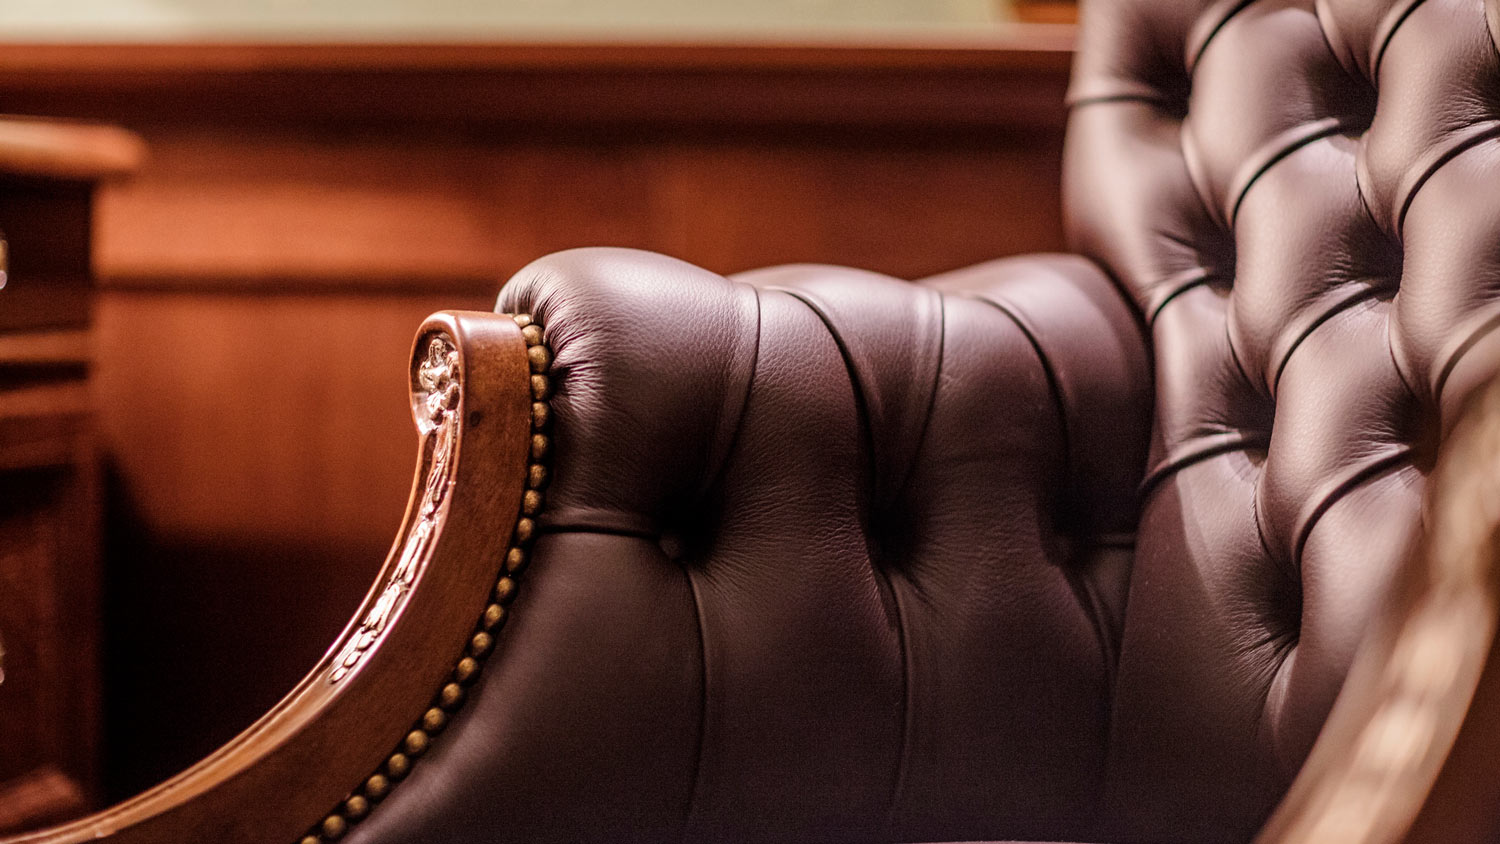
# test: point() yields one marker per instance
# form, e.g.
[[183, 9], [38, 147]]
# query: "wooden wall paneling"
[[446, 211]]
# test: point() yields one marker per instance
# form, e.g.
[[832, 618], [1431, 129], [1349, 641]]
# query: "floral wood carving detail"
[[437, 390]]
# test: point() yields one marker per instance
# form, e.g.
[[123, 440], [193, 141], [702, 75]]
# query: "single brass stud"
[[533, 334], [452, 695], [434, 720], [398, 766], [356, 807], [310, 839], [377, 787], [505, 590], [541, 387], [531, 502], [539, 358], [540, 445], [525, 529], [481, 644], [466, 670], [515, 560], [334, 827], [541, 414], [415, 743], [536, 476], [522, 320], [494, 616]]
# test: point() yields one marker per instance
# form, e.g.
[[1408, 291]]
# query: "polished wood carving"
[[437, 416], [437, 393]]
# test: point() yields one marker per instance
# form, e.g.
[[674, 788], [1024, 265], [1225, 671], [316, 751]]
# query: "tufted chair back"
[[1303, 199]]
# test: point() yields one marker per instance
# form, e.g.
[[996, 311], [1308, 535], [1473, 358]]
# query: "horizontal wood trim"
[[1012, 76], [1004, 45], [220, 284]]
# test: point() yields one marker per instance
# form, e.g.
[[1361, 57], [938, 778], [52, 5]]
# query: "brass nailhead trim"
[[451, 696]]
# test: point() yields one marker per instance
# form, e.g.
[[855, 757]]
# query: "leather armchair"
[[1071, 548]]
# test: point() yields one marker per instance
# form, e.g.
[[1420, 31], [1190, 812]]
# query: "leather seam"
[[702, 739], [898, 784], [1396, 21], [712, 478], [1220, 444], [1336, 491], [1338, 307], [1234, 355], [1053, 385], [1276, 150], [1195, 52], [1162, 102], [899, 487], [856, 384], [1472, 136], [881, 578], [1460, 349], [1196, 277]]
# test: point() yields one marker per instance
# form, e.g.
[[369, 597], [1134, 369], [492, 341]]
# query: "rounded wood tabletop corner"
[[68, 150]]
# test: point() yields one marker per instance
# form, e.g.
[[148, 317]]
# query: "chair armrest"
[[825, 553], [353, 725]]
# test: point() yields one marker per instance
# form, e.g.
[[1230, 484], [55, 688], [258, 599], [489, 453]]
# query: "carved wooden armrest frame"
[[353, 727]]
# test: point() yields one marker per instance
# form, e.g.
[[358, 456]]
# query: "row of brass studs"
[[451, 696]]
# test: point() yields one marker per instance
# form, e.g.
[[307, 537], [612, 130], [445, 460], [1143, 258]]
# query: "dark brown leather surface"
[[831, 556], [828, 556], [1264, 178]]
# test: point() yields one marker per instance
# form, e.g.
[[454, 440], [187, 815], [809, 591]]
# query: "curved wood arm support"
[[1408, 753], [472, 400]]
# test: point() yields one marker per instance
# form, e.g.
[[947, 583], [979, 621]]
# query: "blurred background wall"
[[471, 20], [321, 176]]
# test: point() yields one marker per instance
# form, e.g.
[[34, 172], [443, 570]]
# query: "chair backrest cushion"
[[1303, 198]]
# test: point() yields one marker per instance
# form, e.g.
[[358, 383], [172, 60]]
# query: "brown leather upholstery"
[[827, 555], [1264, 178], [831, 556]]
